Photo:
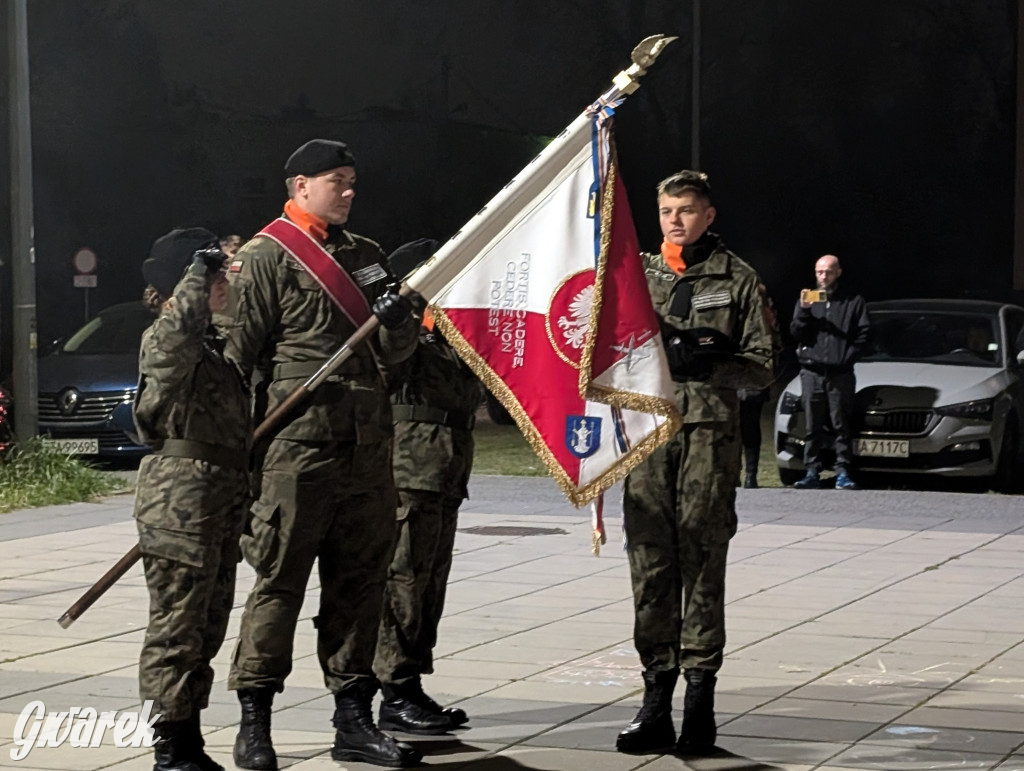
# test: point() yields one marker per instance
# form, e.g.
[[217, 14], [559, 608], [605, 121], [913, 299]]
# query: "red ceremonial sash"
[[318, 262]]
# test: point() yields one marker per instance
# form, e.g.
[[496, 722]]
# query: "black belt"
[[296, 370], [215, 454], [420, 414]]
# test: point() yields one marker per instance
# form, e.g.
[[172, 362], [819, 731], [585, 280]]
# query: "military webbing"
[[294, 370], [421, 414], [215, 454]]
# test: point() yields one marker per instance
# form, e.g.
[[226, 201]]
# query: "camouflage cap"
[[171, 254]]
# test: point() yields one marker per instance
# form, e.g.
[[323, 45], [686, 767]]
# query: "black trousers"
[[750, 432], [828, 409]]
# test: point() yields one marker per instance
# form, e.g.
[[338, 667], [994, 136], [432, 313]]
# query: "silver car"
[[942, 393]]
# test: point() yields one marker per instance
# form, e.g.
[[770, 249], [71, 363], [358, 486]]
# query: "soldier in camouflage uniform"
[[434, 400], [325, 485], [679, 505], [192, 408]]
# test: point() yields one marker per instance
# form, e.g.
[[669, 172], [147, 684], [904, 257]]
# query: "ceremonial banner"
[[501, 362], [554, 316]]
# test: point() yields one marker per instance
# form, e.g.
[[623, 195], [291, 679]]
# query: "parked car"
[[942, 393], [87, 384]]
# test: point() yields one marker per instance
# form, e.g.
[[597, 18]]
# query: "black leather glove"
[[418, 303], [708, 341], [692, 353], [391, 309], [212, 259], [682, 358]]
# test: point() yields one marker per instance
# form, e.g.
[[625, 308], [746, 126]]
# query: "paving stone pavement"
[[867, 630]]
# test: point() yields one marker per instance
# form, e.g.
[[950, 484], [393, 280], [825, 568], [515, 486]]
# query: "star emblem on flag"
[[633, 351]]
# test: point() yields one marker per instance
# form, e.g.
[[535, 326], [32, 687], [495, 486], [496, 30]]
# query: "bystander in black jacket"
[[831, 336]]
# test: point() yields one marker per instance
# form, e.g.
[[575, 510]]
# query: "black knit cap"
[[317, 156], [406, 258], [171, 254]]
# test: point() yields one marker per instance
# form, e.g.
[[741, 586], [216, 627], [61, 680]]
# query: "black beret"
[[317, 156], [406, 258], [171, 254]]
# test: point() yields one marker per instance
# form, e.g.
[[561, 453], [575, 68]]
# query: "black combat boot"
[[253, 748], [652, 728], [698, 733], [196, 744], [356, 738], [405, 707], [455, 715], [172, 750], [750, 462]]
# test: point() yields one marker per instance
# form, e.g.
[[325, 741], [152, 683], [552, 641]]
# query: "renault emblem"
[[68, 401]]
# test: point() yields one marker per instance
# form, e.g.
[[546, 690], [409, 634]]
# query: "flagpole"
[[501, 210]]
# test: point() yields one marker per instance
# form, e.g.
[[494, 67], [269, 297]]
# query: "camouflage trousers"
[[679, 509], [189, 515], [417, 580], [332, 503]]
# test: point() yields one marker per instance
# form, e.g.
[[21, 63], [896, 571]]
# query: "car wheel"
[[497, 412], [790, 476], [1007, 476]]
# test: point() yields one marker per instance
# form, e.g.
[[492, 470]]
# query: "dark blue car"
[[87, 385]]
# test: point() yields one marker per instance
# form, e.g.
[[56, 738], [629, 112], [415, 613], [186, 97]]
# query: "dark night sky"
[[882, 131]]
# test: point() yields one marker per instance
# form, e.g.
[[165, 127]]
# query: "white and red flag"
[[553, 314]]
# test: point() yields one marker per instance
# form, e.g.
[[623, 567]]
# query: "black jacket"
[[832, 335]]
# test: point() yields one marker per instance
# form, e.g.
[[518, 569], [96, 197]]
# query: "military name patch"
[[582, 435], [711, 300], [369, 274]]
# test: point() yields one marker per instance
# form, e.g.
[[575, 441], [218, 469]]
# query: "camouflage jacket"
[[284, 326], [727, 296], [429, 455], [187, 390]]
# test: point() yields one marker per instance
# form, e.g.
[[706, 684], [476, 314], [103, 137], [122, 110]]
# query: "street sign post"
[[85, 263]]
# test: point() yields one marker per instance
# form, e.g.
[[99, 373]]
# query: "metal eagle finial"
[[646, 52]]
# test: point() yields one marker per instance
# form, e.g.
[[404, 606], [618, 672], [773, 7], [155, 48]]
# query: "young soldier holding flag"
[[680, 504]]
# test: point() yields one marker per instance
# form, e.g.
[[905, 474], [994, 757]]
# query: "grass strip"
[[32, 475]]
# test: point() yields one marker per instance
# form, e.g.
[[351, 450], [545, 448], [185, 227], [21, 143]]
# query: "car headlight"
[[790, 403], [979, 409]]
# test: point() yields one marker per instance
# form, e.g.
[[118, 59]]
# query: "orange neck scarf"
[[673, 257], [312, 224]]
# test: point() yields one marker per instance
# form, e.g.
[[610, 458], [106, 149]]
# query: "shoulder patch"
[[235, 266], [369, 274], [709, 300]]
